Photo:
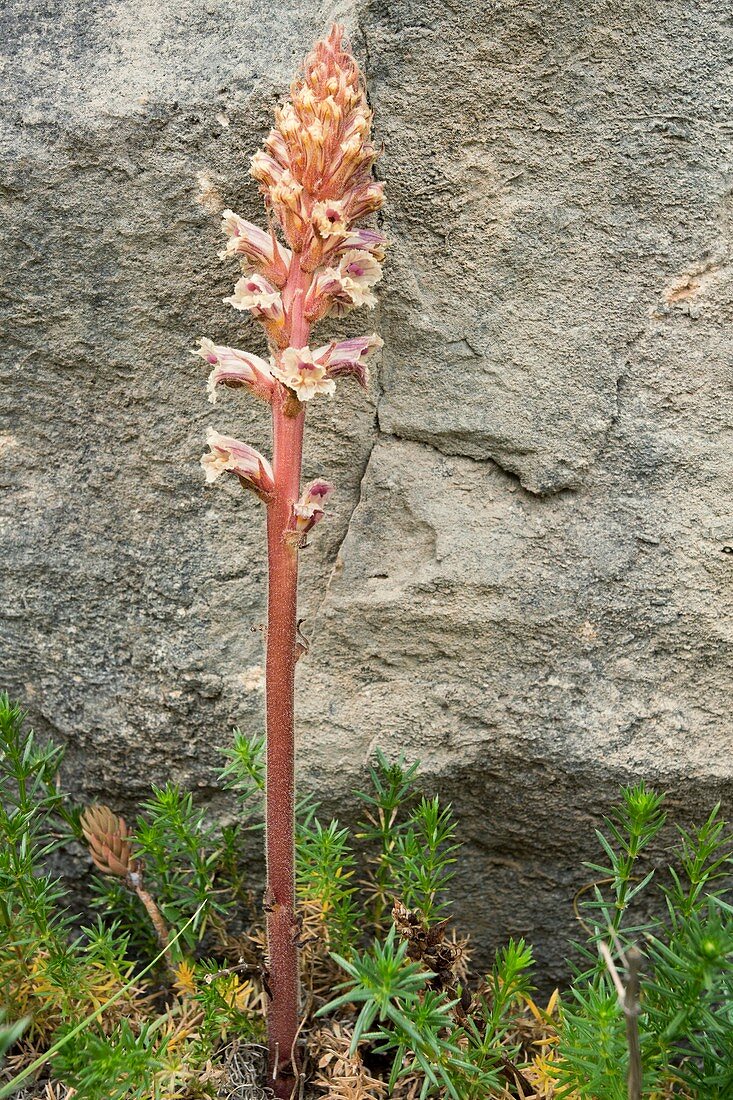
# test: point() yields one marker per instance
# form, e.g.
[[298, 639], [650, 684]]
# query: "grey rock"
[[522, 582]]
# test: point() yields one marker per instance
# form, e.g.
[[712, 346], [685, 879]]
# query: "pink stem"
[[288, 419]]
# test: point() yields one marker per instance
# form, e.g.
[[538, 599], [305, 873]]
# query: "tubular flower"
[[367, 240], [235, 368], [329, 219], [254, 293], [335, 291], [297, 369], [229, 455], [256, 248], [349, 357], [315, 170], [309, 511]]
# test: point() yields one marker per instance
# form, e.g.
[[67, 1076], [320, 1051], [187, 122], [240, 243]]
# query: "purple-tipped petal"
[[349, 357], [232, 367], [256, 247]]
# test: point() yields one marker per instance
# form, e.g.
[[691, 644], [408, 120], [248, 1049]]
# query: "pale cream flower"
[[329, 219], [349, 357], [338, 290], [308, 511], [255, 247], [360, 267], [232, 367], [297, 369], [228, 455], [254, 293]]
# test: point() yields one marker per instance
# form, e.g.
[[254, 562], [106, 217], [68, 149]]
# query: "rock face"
[[524, 582]]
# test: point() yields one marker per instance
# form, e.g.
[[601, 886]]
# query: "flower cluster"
[[315, 173], [316, 168], [302, 371]]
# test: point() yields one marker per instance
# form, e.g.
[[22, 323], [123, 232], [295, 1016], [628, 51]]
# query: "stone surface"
[[523, 582]]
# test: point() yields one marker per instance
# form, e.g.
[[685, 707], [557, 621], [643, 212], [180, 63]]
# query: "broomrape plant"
[[315, 175]]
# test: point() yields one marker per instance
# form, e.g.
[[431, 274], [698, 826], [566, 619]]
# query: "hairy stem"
[[288, 419]]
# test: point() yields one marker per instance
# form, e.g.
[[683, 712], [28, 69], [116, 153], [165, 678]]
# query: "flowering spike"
[[315, 170], [110, 846], [349, 357], [109, 841], [229, 455], [297, 369], [235, 368], [308, 511]]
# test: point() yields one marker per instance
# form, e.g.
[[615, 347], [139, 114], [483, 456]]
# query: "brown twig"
[[134, 878], [632, 1008], [629, 1000]]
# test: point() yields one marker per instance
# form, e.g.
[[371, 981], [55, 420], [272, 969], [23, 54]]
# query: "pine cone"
[[109, 841]]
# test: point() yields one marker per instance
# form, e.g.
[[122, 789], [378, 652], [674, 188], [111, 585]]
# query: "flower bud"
[[266, 169], [109, 840]]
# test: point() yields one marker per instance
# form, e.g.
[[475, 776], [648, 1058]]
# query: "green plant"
[[181, 853], [46, 974], [325, 867], [411, 841], [686, 1008], [408, 985], [392, 789], [10, 1033], [83, 996], [384, 978], [120, 1066], [421, 858], [448, 1049], [397, 1011], [632, 826]]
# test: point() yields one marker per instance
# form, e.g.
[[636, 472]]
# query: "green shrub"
[[115, 1008]]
